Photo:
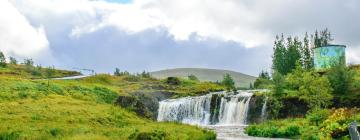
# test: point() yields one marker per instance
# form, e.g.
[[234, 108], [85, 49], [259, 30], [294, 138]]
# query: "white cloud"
[[18, 37], [249, 22]]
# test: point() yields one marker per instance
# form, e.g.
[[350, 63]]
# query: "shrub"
[[173, 81], [105, 95], [55, 132], [132, 78], [317, 116], [291, 131], [193, 77], [9, 135], [154, 135]]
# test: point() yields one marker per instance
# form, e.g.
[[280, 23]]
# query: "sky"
[[152, 35]]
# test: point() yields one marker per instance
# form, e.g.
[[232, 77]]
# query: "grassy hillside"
[[33, 72], [84, 108], [241, 80]]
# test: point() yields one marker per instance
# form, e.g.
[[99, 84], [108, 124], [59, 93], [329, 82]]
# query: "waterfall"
[[231, 109], [263, 110]]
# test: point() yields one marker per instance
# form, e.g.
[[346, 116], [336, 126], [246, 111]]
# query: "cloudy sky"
[[159, 34]]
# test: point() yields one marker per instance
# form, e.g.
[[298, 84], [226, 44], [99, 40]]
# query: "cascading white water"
[[190, 110], [263, 110], [196, 110]]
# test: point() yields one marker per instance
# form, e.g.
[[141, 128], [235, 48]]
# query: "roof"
[[332, 45]]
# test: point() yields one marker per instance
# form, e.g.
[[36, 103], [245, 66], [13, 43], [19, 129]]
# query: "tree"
[[278, 85], [228, 82], [28, 62], [279, 55], [341, 79], [307, 54], [49, 73], [13, 61], [322, 39], [145, 74], [263, 81], [2, 60], [251, 86], [314, 89], [193, 77], [117, 72]]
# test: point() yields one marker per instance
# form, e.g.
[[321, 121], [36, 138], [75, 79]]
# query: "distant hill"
[[241, 80]]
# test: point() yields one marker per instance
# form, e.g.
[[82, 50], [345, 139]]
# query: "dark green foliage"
[[273, 131], [341, 79], [279, 85], [55, 132], [155, 135], [289, 52], [117, 72], [263, 81], [322, 39], [173, 81], [105, 95], [193, 77], [228, 82], [314, 89], [145, 74], [9, 135], [36, 71], [307, 54], [28, 62], [2, 60], [13, 61], [317, 116], [120, 73]]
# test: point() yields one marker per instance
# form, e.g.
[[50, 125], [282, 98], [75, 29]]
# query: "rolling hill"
[[241, 80]]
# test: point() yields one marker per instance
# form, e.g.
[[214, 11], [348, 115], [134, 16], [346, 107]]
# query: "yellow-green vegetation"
[[319, 124], [84, 108], [33, 72]]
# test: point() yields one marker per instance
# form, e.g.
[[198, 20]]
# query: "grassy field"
[[84, 108], [241, 80]]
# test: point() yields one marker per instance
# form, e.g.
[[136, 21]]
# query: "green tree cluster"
[[228, 82], [2, 60], [311, 87], [290, 51], [263, 80], [193, 77]]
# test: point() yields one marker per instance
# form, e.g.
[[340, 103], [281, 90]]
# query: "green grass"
[[84, 109], [63, 117]]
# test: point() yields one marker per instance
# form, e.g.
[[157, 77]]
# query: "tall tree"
[[117, 72], [293, 54], [228, 82], [307, 54], [322, 39], [13, 61], [49, 73], [341, 79], [2, 60], [279, 59]]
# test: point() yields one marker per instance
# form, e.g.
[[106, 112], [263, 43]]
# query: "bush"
[[193, 77], [155, 135], [132, 78], [55, 132], [173, 81], [105, 95], [273, 130], [317, 116], [9, 135]]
